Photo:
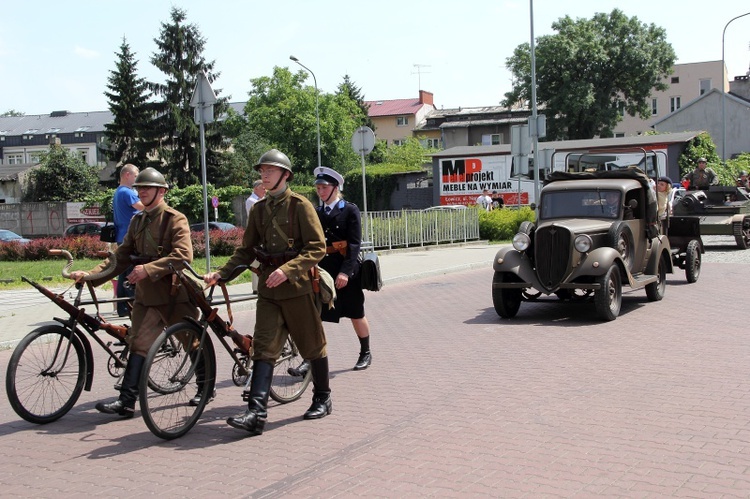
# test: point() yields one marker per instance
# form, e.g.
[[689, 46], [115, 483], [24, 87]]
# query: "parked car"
[[222, 226], [579, 246], [7, 236], [85, 229]]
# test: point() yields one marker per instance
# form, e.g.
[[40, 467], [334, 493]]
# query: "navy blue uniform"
[[343, 223]]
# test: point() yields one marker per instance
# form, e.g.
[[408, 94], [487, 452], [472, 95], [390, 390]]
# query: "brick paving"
[[457, 403]]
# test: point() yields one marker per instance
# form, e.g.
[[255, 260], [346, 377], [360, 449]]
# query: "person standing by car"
[[285, 236], [157, 238], [702, 177], [342, 226], [663, 209], [125, 204]]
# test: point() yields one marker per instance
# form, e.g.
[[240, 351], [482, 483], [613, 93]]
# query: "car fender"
[[597, 262], [509, 259], [660, 249]]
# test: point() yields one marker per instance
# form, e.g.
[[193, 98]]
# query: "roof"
[[394, 107], [54, 123], [10, 173], [732, 97], [568, 145]]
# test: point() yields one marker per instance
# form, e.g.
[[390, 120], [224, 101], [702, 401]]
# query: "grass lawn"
[[48, 272]]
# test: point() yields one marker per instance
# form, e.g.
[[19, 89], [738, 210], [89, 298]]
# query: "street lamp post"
[[317, 116], [724, 93]]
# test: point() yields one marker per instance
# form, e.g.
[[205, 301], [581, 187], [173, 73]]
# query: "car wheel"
[[655, 290], [608, 298], [620, 237], [507, 301], [742, 233], [693, 261]]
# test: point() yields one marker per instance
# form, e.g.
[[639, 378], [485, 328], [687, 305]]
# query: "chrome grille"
[[552, 255]]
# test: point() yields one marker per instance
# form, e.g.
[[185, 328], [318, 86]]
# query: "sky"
[[57, 56]]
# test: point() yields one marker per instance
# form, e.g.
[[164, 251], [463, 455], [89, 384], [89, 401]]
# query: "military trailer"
[[720, 210]]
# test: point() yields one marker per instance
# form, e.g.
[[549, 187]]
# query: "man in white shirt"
[[485, 201], [257, 195]]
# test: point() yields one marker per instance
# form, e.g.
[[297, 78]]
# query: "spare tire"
[[620, 237]]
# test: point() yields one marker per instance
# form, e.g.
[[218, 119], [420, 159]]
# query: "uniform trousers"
[[149, 322], [275, 319]]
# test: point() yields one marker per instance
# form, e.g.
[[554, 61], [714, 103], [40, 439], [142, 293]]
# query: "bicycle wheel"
[[285, 387], [46, 374], [167, 410]]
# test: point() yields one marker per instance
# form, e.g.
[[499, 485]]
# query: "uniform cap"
[[665, 179], [702, 160], [328, 176]]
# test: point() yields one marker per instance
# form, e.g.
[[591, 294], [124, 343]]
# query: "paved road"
[[457, 403]]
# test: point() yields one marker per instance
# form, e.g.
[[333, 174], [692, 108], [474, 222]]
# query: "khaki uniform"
[[290, 307], [155, 307]]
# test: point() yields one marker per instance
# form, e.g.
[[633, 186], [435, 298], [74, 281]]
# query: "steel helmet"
[[150, 178], [274, 157]]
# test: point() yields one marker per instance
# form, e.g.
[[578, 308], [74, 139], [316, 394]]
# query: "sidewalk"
[[21, 311]]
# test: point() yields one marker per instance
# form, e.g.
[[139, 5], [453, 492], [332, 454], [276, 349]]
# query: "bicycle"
[[54, 363], [170, 414]]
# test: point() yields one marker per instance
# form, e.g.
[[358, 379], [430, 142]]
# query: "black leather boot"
[[200, 380], [254, 419], [125, 405], [321, 402], [364, 361], [301, 370]]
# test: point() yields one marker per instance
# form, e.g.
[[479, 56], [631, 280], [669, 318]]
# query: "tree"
[[62, 175], [179, 57], [349, 89], [131, 139], [591, 71], [281, 112], [13, 112]]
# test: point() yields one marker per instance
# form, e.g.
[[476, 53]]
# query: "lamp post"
[[724, 94], [317, 116]]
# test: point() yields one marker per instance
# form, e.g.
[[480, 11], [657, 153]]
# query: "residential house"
[[396, 120], [473, 126]]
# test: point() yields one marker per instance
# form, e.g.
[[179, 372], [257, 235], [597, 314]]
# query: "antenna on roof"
[[419, 73]]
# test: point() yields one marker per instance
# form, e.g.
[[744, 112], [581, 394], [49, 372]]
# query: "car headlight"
[[583, 243], [521, 241]]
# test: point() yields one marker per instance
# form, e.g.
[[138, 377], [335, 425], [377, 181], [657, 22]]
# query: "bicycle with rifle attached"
[[54, 363], [172, 413]]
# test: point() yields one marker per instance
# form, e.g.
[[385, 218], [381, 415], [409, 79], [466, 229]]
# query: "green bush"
[[502, 224]]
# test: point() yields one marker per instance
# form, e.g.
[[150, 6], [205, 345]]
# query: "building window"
[[14, 159], [705, 86], [433, 143], [399, 142], [674, 104], [621, 109], [675, 79], [654, 107], [402, 120], [35, 156], [619, 135], [83, 154], [492, 139]]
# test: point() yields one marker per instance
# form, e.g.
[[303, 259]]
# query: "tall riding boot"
[[321, 402], [125, 405], [301, 370], [200, 380], [254, 419]]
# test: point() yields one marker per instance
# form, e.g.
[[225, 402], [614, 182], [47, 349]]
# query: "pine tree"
[[131, 139], [179, 57], [348, 88]]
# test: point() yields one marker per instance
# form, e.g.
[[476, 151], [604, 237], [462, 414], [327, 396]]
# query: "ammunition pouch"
[[274, 259]]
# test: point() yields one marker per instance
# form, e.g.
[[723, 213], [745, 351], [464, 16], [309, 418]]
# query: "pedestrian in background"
[[125, 204], [259, 193], [484, 200]]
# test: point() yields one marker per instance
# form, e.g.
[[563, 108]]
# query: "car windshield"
[[6, 235], [581, 204]]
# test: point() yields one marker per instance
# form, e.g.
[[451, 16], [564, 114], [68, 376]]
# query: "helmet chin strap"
[[281, 177], [326, 200], [150, 203]]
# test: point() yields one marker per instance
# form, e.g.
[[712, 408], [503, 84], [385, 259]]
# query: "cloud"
[[85, 53]]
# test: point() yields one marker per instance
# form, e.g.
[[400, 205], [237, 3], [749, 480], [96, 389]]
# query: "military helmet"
[[274, 157], [150, 178]]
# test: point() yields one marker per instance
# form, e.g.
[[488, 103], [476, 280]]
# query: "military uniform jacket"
[[261, 231], [142, 239], [343, 223], [701, 179]]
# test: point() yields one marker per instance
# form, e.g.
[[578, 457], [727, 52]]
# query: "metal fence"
[[406, 228]]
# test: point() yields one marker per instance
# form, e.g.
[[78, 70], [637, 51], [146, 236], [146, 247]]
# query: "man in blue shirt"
[[125, 204]]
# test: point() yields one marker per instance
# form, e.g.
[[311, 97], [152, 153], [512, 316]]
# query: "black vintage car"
[[596, 232]]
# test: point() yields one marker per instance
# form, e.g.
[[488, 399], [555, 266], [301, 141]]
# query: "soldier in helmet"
[[157, 237], [702, 177], [284, 234]]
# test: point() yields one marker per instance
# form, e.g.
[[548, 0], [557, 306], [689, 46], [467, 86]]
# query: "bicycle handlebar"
[[233, 275], [102, 254]]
